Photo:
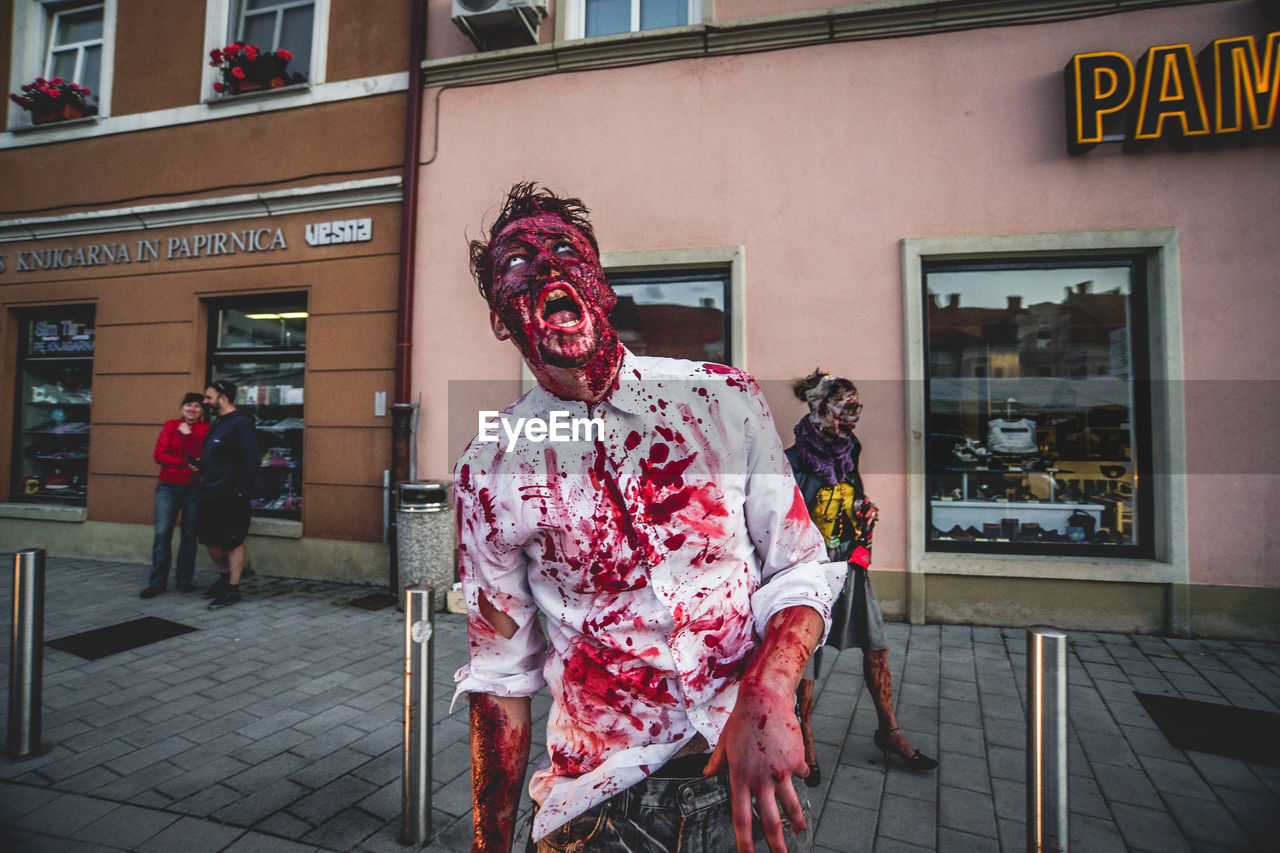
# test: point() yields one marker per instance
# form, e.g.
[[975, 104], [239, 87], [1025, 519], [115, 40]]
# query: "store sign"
[[346, 231], [1229, 92], [209, 244], [59, 337]]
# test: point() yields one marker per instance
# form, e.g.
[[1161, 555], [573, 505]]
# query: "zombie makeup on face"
[[837, 416], [550, 292]]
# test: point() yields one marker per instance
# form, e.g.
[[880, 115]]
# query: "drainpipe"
[[402, 411]]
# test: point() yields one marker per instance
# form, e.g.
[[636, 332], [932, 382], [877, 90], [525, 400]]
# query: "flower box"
[[66, 113], [247, 68], [54, 100]]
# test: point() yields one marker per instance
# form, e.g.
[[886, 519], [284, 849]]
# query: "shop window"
[[674, 314], [75, 45], [1037, 410], [605, 17], [55, 390], [276, 24], [260, 346]]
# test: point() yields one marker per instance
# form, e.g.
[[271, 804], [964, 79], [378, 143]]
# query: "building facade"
[[1036, 235], [187, 223]]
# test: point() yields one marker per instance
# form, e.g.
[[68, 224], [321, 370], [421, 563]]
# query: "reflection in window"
[[1036, 421], [75, 46], [260, 346], [673, 315], [605, 17], [276, 24], [54, 396], [269, 326]]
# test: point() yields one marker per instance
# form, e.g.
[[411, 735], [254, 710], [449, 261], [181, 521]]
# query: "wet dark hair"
[[526, 199], [819, 386], [192, 397]]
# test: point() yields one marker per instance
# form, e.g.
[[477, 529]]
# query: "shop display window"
[[54, 394], [260, 346], [673, 315], [1037, 409]]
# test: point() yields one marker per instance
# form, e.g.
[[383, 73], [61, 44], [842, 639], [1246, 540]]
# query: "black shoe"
[[917, 761], [217, 588], [151, 592], [186, 587], [227, 599]]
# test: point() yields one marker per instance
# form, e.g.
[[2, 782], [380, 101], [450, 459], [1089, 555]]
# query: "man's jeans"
[[172, 498], [665, 816]]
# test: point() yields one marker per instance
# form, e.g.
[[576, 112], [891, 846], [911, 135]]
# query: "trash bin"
[[424, 537]]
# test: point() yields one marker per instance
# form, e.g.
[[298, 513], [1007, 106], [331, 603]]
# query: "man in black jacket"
[[227, 468]]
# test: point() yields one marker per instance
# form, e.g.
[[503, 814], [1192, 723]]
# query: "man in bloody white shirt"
[[669, 555]]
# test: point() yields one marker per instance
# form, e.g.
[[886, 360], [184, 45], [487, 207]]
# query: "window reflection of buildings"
[[1072, 339], [669, 330]]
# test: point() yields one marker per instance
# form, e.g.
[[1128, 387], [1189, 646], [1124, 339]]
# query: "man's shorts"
[[666, 815], [223, 520]]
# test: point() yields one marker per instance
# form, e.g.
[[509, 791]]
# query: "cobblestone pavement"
[[276, 726]]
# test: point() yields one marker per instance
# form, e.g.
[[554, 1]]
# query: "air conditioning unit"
[[499, 23]]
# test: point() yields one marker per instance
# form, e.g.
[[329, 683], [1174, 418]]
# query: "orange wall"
[[152, 346]]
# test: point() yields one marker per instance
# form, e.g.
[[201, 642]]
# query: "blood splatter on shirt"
[[654, 555]]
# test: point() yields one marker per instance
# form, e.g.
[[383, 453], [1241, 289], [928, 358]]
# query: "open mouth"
[[559, 308]]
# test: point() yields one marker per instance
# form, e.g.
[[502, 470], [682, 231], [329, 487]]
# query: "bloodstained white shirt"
[[655, 556]]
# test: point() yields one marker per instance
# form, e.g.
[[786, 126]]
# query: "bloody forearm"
[[499, 756], [789, 639]]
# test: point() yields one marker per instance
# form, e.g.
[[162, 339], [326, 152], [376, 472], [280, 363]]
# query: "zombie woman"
[[824, 459]]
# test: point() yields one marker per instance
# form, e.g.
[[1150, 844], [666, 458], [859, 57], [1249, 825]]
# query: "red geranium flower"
[[237, 72], [218, 87], [251, 52], [284, 54]]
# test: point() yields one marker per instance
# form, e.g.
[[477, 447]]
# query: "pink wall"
[[819, 161]]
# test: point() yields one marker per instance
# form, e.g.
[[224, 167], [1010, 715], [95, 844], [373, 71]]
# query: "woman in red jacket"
[[177, 491]]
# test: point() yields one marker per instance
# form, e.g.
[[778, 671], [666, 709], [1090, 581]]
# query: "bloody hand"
[[761, 746], [865, 514]]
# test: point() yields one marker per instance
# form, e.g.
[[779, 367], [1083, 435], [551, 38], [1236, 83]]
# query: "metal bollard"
[[419, 625], [26, 670], [1046, 740]]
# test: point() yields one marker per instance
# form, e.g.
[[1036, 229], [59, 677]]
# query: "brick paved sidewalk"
[[277, 727]]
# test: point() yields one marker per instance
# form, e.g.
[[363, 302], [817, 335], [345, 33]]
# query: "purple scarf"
[[830, 460]]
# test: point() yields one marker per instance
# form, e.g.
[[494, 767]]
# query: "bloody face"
[[550, 291], [838, 414]]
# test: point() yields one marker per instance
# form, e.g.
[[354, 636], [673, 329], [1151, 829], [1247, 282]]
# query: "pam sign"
[[1228, 92]]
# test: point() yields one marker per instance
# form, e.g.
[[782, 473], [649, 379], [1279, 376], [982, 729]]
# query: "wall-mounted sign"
[[143, 251], [59, 337], [1228, 92], [346, 231]]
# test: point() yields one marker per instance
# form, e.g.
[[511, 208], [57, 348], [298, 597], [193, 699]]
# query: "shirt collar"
[[626, 397]]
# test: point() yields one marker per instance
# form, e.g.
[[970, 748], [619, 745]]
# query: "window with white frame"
[[75, 44], [606, 17], [276, 24], [63, 38]]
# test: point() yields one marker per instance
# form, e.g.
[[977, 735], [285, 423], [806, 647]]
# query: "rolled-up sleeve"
[[794, 569], [494, 567]]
